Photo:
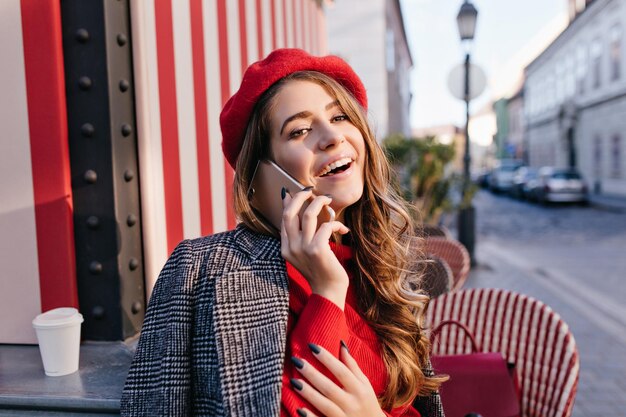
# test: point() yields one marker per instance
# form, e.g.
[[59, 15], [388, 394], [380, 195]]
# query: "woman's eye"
[[340, 118], [298, 132]]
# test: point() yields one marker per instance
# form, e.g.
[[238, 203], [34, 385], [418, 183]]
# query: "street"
[[574, 259]]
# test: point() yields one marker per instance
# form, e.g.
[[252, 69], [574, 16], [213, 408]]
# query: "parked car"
[[482, 178], [501, 179], [559, 185], [521, 179]]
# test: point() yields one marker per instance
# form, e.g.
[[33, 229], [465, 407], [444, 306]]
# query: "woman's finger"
[[343, 374], [317, 400], [321, 382], [310, 216], [327, 229], [292, 204], [305, 412], [348, 360]]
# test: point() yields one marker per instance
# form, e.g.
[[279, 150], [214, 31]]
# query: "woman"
[[317, 322]]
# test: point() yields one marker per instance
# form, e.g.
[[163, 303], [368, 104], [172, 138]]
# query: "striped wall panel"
[[189, 57], [37, 265]]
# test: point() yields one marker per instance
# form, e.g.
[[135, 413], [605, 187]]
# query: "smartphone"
[[264, 193]]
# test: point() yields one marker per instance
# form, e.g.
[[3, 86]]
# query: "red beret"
[[262, 74]]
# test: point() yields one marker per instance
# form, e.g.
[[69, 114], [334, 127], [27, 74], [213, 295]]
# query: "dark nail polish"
[[296, 384], [301, 412], [329, 196], [343, 344], [297, 362], [309, 188], [314, 348], [283, 193]]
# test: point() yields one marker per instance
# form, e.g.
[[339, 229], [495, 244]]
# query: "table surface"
[[95, 387]]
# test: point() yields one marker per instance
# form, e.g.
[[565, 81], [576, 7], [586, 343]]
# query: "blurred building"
[[370, 35], [575, 97], [515, 112], [509, 137], [510, 140], [500, 139], [482, 132]]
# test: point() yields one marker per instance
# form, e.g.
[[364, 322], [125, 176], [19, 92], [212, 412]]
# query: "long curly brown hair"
[[382, 239]]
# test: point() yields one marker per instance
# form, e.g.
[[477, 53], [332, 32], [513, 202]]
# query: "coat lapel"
[[250, 313]]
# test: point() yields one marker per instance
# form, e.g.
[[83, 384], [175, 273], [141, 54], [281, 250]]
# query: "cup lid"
[[58, 317]]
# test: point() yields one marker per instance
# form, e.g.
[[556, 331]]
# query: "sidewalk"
[[600, 336], [608, 202]]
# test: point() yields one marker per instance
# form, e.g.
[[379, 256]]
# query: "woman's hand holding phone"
[[304, 244]]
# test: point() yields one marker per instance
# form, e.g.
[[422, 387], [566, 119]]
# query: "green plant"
[[422, 177]]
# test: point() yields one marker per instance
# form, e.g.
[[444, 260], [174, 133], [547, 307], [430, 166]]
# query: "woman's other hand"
[[357, 397], [305, 246]]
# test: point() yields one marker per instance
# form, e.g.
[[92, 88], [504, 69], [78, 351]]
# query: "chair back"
[[454, 253], [437, 278], [526, 331]]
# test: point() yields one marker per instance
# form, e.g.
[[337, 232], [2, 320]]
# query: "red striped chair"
[[526, 331], [454, 253]]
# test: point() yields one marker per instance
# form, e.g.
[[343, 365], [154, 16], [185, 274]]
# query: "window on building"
[[550, 91], [535, 96], [596, 63], [570, 80], [541, 95], [616, 157], [581, 68], [597, 157], [559, 85], [533, 100], [615, 36], [545, 91]]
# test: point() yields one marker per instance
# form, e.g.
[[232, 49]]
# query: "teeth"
[[336, 164]]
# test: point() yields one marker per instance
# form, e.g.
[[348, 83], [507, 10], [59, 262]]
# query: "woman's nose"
[[330, 137]]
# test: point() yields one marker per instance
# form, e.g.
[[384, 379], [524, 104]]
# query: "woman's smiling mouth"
[[336, 167]]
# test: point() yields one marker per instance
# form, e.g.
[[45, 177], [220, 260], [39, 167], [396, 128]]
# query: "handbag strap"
[[437, 330]]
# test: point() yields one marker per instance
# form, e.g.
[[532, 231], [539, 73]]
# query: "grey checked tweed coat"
[[213, 340]]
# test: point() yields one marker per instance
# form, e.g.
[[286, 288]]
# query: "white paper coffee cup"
[[58, 333]]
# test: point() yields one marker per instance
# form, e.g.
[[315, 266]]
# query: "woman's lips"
[[340, 175], [344, 160]]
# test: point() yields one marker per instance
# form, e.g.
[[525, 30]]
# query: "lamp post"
[[466, 22]]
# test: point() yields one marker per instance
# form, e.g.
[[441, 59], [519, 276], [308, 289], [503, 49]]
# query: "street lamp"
[[466, 22]]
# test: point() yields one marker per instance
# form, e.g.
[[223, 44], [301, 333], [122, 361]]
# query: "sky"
[[508, 34]]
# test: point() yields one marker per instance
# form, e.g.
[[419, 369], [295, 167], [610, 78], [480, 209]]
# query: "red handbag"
[[480, 382]]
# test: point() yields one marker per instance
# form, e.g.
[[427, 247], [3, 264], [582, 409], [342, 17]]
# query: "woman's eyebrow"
[[301, 115], [305, 114]]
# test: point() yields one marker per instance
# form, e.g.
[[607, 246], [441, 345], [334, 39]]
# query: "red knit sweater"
[[313, 318]]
